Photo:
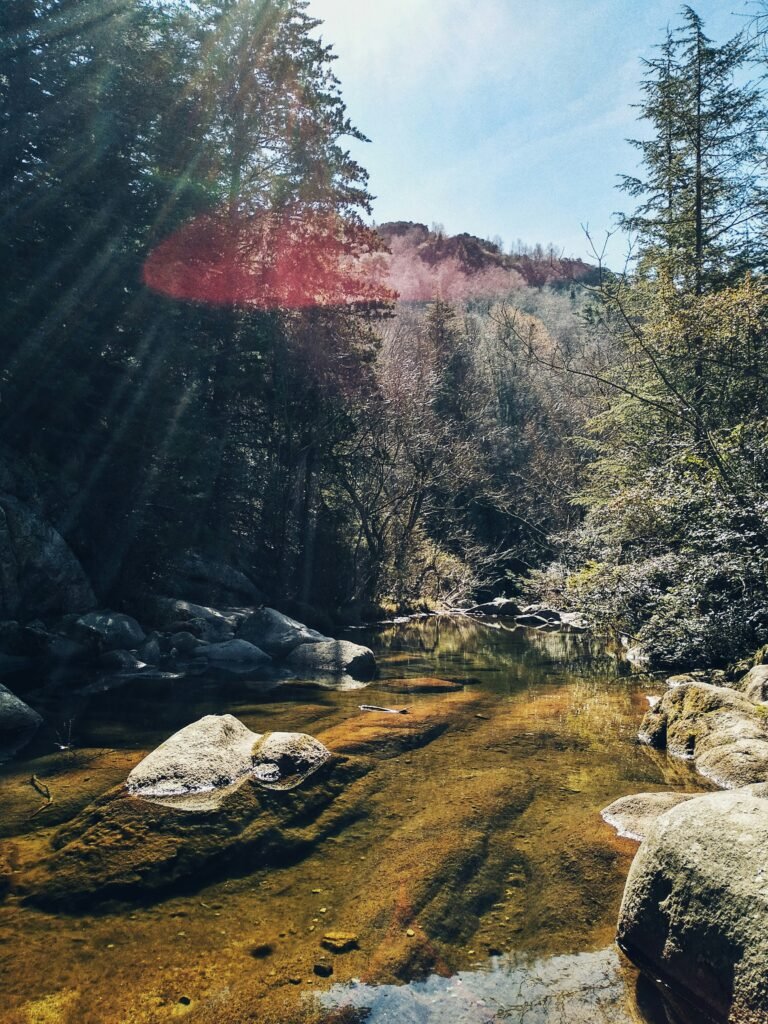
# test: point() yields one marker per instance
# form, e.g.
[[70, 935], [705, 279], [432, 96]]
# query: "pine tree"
[[702, 215]]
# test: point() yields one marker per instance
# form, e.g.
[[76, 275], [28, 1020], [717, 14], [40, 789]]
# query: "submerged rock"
[[716, 727], [632, 816], [336, 657], [420, 684], [696, 902], [18, 723]]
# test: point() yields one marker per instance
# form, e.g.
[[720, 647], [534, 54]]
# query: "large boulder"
[[18, 723], [109, 631], [696, 904], [230, 656], [277, 634], [218, 750], [718, 728], [333, 657], [754, 685], [173, 613], [39, 574], [210, 581]]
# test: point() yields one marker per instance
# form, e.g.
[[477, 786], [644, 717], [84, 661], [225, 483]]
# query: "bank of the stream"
[[470, 865]]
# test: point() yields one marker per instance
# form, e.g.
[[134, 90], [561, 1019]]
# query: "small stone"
[[111, 945], [262, 950], [311, 928], [293, 980], [339, 942], [410, 933], [316, 892], [323, 910], [323, 970], [185, 1000]]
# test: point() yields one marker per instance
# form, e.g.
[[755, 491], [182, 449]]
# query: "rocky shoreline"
[[696, 899]]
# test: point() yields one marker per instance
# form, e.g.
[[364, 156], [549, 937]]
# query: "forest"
[[208, 349]]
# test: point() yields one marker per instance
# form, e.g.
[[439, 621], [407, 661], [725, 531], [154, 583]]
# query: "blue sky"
[[502, 117]]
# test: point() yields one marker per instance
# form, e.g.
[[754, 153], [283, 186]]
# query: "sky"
[[503, 118]]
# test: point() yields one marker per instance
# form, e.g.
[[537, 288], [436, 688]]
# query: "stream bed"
[[474, 878]]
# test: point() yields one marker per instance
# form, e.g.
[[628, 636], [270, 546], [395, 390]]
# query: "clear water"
[[479, 879]]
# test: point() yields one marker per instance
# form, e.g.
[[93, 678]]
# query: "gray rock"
[[573, 622], [231, 656], [282, 760], [336, 657], [696, 903], [211, 582], [502, 606], [543, 611], [150, 651], [715, 726], [39, 575], [217, 751], [18, 723], [632, 816], [276, 633], [213, 752], [109, 631], [754, 685], [121, 661], [168, 612], [183, 644], [537, 621]]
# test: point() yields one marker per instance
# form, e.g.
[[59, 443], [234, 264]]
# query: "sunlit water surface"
[[487, 840]]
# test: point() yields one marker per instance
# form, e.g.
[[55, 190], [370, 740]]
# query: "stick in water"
[[389, 711]]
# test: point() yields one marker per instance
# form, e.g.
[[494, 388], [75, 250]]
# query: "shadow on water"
[[474, 871]]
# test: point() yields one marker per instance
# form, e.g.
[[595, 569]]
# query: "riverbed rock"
[[277, 634], [632, 816], [210, 753], [718, 728], [109, 631], [218, 750], [754, 685], [419, 684], [230, 656], [335, 657], [696, 902], [39, 574], [18, 723]]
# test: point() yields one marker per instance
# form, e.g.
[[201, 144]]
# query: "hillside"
[[426, 262]]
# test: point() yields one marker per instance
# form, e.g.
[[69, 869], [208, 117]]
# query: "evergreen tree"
[[702, 215]]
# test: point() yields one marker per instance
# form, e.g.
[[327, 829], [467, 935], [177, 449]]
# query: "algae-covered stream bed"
[[458, 849]]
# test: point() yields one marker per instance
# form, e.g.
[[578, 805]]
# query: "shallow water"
[[476, 872]]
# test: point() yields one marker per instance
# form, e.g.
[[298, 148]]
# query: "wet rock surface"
[[696, 903], [632, 816]]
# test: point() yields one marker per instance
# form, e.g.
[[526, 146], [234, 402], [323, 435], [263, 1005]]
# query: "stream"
[[476, 881]]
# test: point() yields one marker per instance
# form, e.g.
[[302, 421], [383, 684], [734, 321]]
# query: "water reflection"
[[582, 988]]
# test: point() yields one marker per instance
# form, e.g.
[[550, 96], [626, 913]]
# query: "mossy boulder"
[[721, 730]]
